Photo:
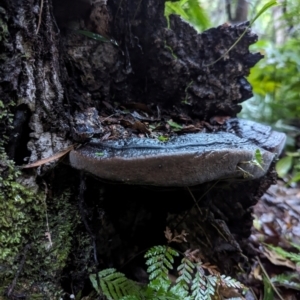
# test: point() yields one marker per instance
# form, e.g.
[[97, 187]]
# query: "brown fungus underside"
[[60, 81]]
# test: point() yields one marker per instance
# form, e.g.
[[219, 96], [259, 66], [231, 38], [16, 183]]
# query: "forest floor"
[[276, 241]]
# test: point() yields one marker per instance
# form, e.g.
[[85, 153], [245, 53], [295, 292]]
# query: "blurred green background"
[[276, 78]]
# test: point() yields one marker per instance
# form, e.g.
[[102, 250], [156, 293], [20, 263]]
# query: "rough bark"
[[56, 78]]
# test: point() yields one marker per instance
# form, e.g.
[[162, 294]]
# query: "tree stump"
[[108, 72]]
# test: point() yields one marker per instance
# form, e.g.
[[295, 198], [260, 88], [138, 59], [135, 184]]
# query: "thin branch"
[[196, 202], [82, 188], [13, 285], [267, 276], [40, 17]]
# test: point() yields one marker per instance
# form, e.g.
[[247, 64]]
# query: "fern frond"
[[130, 297], [114, 285], [211, 286], [204, 287], [161, 294], [198, 288], [160, 260], [186, 271], [292, 256], [287, 280], [231, 282], [296, 246]]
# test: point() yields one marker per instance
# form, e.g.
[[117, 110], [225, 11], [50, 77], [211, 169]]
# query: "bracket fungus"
[[186, 160]]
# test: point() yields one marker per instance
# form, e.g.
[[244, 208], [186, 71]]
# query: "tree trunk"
[[240, 12], [60, 79]]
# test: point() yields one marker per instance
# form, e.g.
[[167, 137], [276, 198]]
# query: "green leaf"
[[268, 290], [163, 138], [174, 125], [258, 157], [96, 36], [284, 165], [99, 153], [93, 279], [263, 9]]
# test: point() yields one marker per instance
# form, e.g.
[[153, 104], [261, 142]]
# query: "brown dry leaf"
[[109, 120], [49, 159], [212, 269], [189, 129], [137, 125], [140, 127], [228, 292], [106, 136], [219, 119], [179, 238], [257, 272], [168, 234], [185, 118], [269, 229], [278, 260], [138, 116], [140, 106], [193, 256], [107, 105]]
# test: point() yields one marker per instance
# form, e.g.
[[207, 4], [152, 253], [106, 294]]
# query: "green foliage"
[[35, 238], [192, 282], [160, 260], [289, 163], [294, 257], [287, 280], [268, 289], [6, 121], [275, 83], [258, 14], [275, 79], [97, 37], [115, 285], [175, 126], [191, 11]]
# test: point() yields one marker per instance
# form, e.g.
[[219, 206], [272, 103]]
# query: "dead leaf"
[[168, 234], [49, 159], [189, 129], [278, 260], [219, 120], [137, 125], [194, 255], [178, 238], [229, 292], [257, 272], [107, 105], [140, 106]]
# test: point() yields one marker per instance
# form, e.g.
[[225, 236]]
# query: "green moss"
[[37, 228], [3, 25], [35, 239]]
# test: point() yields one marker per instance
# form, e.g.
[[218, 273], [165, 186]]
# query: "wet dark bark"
[[52, 73]]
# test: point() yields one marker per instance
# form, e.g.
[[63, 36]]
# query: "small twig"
[[196, 202], [40, 17], [47, 234], [267, 276], [13, 285], [82, 188], [138, 7]]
